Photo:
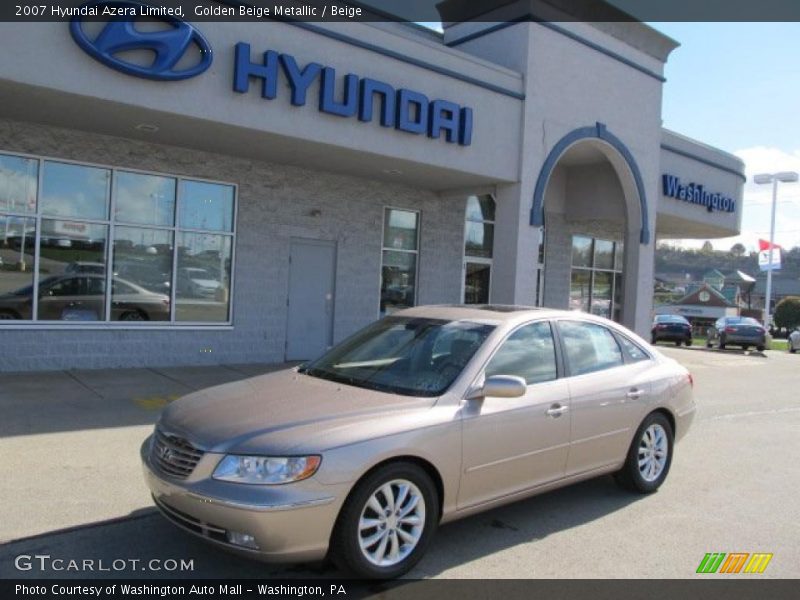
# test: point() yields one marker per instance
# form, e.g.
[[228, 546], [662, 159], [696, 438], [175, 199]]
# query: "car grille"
[[191, 523], [174, 456]]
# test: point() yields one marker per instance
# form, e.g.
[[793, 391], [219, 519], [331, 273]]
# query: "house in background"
[[717, 295], [782, 286]]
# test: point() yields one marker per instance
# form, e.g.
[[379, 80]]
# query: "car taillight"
[[661, 326], [730, 329]]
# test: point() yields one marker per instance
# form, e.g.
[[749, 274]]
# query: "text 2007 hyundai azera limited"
[[426, 416]]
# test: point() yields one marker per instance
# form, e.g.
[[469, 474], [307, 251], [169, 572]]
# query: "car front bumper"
[[289, 523]]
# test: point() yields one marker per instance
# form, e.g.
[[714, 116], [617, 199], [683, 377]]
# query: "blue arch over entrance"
[[598, 131]]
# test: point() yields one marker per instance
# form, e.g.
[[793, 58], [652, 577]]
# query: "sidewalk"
[[81, 431]]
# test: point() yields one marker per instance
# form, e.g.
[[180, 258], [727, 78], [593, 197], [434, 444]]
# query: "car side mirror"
[[500, 386]]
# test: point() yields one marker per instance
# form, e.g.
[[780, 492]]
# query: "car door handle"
[[555, 411], [635, 394]]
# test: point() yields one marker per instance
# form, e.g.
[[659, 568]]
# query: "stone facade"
[[275, 204]]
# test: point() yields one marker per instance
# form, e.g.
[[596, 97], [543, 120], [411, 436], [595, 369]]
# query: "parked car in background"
[[85, 267], [152, 277], [671, 328], [737, 331], [81, 297], [429, 415], [794, 341], [196, 282]]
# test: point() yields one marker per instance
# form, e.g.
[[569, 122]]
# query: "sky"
[[736, 86]]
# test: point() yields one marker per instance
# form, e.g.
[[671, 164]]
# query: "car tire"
[[652, 447], [760, 348], [357, 544], [688, 343], [677, 343], [745, 347], [653, 340], [792, 350]]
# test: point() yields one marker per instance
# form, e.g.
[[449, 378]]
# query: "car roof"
[[498, 313]]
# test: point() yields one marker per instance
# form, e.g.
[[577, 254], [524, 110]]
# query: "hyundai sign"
[[181, 52], [170, 47]]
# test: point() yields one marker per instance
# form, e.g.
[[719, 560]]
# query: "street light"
[[773, 178]]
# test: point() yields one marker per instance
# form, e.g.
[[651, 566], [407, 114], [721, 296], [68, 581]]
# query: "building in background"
[[312, 177]]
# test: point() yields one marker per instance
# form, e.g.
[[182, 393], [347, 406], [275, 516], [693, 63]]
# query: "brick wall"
[[275, 204]]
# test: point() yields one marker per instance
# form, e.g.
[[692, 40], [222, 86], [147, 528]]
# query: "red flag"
[[765, 245]]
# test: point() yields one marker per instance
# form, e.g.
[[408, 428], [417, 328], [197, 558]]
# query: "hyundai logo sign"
[[179, 43]]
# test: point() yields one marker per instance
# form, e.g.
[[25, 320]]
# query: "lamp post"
[[773, 178]]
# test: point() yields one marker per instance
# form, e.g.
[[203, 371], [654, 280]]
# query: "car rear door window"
[[529, 353], [589, 347], [631, 351]]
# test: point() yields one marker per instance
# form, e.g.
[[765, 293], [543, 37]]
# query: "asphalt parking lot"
[[72, 486]]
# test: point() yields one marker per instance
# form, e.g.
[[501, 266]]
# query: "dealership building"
[[189, 193]]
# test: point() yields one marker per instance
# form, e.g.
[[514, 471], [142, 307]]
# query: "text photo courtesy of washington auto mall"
[[399, 298]]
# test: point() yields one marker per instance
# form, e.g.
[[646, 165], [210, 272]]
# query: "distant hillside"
[[673, 263]]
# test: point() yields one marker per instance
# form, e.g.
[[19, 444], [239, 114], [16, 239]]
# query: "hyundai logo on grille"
[[165, 453], [180, 51]]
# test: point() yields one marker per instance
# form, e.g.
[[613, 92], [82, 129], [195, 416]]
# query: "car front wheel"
[[386, 523], [649, 456]]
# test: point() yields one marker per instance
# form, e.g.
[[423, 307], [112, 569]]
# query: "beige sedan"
[[424, 417]]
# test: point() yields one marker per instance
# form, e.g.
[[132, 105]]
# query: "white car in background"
[[197, 282], [794, 341]]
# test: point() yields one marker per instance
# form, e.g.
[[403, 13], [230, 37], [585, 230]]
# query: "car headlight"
[[266, 470]]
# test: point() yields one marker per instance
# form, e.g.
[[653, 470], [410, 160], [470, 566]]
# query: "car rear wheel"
[[649, 456], [386, 522], [760, 348], [677, 343], [688, 343]]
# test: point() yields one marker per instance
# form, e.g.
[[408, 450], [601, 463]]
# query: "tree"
[[707, 248], [738, 249], [787, 312]]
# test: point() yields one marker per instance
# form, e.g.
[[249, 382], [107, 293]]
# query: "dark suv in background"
[[671, 328]]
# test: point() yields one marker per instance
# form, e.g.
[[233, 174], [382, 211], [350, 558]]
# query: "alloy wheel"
[[391, 523], [653, 450]]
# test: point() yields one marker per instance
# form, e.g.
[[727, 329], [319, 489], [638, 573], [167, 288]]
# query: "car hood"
[[282, 412]]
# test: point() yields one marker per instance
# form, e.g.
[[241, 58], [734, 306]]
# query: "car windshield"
[[403, 355]]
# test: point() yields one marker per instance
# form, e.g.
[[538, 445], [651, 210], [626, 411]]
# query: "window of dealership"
[[399, 259], [169, 242], [596, 279], [478, 248]]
